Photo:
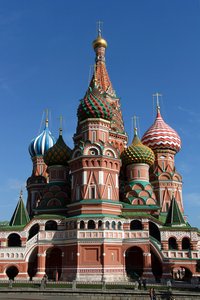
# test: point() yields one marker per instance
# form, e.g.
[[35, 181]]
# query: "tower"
[[99, 139], [39, 177], [165, 142]]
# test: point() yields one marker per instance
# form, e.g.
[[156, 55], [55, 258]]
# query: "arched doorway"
[[156, 266], [33, 263], [181, 274], [53, 263], [134, 262], [12, 272]]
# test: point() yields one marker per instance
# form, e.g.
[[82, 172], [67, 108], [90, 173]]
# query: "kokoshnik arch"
[[102, 210]]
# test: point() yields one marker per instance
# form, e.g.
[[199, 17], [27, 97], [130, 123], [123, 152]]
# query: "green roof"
[[174, 216], [20, 216]]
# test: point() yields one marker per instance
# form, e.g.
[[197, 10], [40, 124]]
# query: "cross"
[[134, 120], [61, 123], [157, 95], [99, 26], [47, 114]]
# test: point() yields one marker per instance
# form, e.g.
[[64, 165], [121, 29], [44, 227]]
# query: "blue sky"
[[45, 61]]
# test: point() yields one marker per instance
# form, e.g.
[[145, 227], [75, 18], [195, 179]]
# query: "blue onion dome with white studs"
[[94, 105], [42, 142], [59, 154], [137, 153]]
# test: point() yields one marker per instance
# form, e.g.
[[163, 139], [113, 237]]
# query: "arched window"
[[51, 225], [119, 225], [82, 225], [113, 225], [91, 224], [100, 224], [107, 225], [14, 240], [172, 243], [136, 225], [186, 244]]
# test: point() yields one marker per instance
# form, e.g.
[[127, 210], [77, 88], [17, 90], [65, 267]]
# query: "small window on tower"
[[103, 136], [109, 192], [94, 136], [92, 192]]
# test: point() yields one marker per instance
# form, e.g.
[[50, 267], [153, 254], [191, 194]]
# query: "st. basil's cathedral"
[[102, 211]]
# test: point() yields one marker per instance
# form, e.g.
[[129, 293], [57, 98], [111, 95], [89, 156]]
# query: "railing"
[[15, 253], [156, 242], [94, 234], [181, 254], [32, 241]]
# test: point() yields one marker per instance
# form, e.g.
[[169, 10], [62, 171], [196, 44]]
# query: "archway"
[[53, 263], [134, 262], [14, 240], [12, 272], [51, 225], [154, 231], [33, 231], [136, 225], [156, 266], [181, 274], [91, 224], [172, 243], [33, 263], [186, 243]]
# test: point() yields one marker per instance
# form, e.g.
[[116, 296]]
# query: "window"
[[92, 192], [94, 136], [109, 192], [103, 136]]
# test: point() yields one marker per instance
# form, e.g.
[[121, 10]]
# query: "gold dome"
[[99, 42]]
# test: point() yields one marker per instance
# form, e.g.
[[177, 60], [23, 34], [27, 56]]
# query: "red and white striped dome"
[[161, 136]]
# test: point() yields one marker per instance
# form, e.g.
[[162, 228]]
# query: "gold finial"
[[61, 123], [99, 42], [157, 95]]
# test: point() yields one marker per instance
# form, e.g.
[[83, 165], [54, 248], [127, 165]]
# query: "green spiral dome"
[[137, 153], [94, 105], [59, 154]]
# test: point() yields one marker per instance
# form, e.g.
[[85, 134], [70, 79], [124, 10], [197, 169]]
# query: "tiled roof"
[[20, 216]]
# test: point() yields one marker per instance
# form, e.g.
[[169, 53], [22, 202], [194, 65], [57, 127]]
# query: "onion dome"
[[99, 41], [94, 105], [137, 153], [161, 136], [59, 154], [42, 142]]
